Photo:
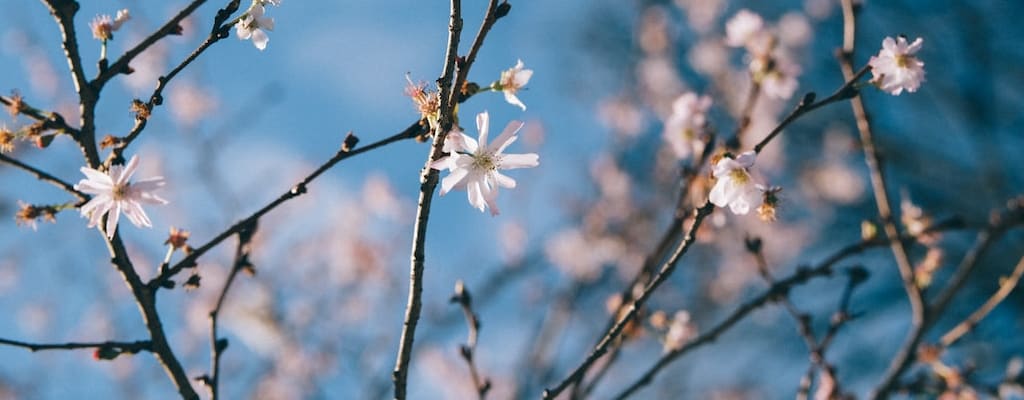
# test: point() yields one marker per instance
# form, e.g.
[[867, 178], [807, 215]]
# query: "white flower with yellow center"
[[735, 187], [474, 165], [895, 68], [686, 125], [113, 194]]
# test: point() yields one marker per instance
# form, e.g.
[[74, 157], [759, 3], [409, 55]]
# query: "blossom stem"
[[807, 104], [132, 347]]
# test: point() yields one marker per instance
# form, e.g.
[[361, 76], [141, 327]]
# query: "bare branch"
[[45, 177]]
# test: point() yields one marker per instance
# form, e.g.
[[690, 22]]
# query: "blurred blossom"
[[895, 68], [513, 242], [512, 80], [379, 197], [819, 9], [837, 182], [581, 257], [701, 15], [622, 116], [794, 29], [708, 56], [735, 187], [742, 28], [659, 80], [190, 103], [148, 66], [34, 318], [473, 165], [8, 276], [653, 35], [685, 127], [780, 80], [680, 331]]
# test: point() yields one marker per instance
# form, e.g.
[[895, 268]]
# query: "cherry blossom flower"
[[252, 24], [895, 68], [474, 164], [742, 28], [113, 194], [103, 27], [512, 80], [735, 187], [686, 124]]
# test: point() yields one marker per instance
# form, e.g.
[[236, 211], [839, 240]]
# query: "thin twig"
[[124, 347], [172, 27], [807, 104], [428, 182], [490, 17], [217, 344], [50, 119], [45, 177], [219, 31], [736, 142], [300, 188], [1005, 287], [666, 269], [468, 351], [63, 12]]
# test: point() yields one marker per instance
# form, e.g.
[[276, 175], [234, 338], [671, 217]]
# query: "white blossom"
[[895, 68], [686, 124], [474, 164], [735, 187], [742, 28], [512, 80], [252, 26], [113, 194], [103, 27]]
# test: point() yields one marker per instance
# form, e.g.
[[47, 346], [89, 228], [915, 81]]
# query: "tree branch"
[[46, 177]]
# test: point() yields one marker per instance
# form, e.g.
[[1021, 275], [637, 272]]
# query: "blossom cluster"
[[103, 27], [473, 164], [770, 66]]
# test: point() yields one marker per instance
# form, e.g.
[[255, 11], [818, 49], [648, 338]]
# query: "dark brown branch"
[[63, 12], [45, 177], [218, 345], [878, 185], [801, 276], [428, 183], [490, 17], [807, 104], [468, 351], [219, 31], [172, 27], [123, 347], [145, 298], [50, 119], [1005, 287], [666, 269], [189, 261]]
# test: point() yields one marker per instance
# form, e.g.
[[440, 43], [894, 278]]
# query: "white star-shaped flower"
[[735, 187], [895, 68], [252, 24], [113, 194], [686, 124], [474, 164], [512, 80]]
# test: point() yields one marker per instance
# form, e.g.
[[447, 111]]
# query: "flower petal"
[[454, 178], [482, 123], [515, 161], [510, 97], [259, 39], [476, 198], [503, 180], [507, 136]]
